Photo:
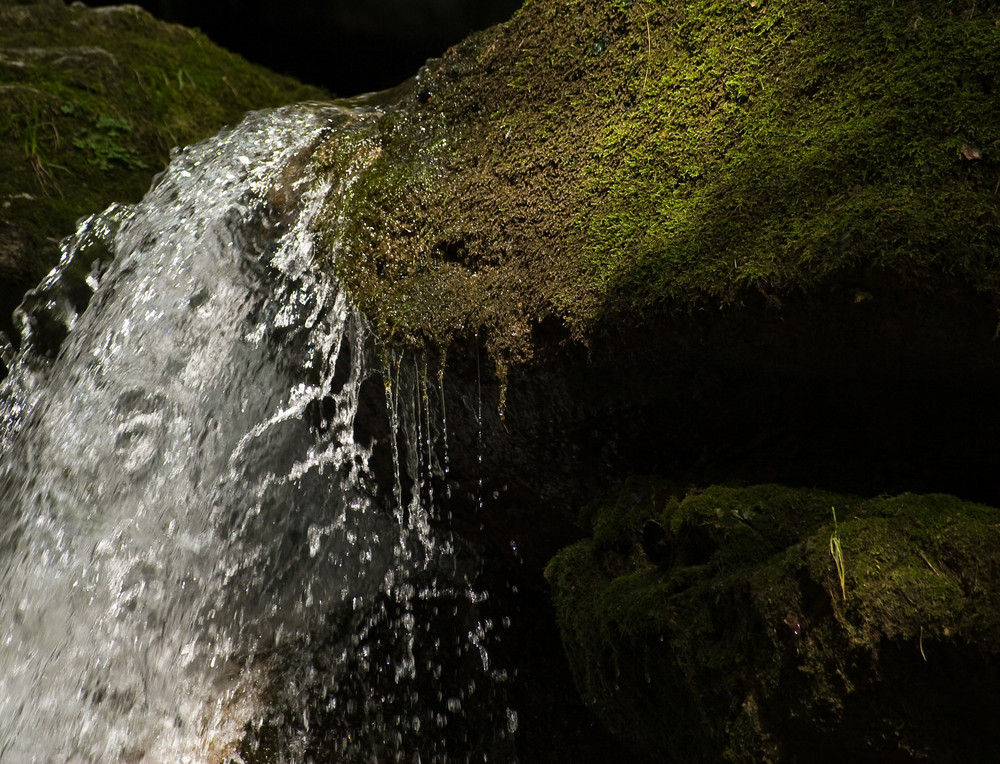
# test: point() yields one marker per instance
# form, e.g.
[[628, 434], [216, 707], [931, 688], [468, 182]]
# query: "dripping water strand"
[[479, 430], [426, 435], [446, 457], [391, 366]]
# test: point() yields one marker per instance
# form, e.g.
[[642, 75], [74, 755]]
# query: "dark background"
[[346, 46]]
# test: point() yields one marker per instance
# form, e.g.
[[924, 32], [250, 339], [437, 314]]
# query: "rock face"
[[592, 162], [771, 624], [718, 243], [92, 103]]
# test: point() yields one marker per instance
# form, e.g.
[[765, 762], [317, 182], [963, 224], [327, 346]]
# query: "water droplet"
[[511, 721]]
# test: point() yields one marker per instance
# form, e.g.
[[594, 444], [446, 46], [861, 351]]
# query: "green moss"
[[94, 100], [640, 159], [777, 143], [722, 629]]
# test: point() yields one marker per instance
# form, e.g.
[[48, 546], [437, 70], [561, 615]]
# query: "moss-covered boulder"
[[91, 103], [774, 226], [596, 160], [773, 624]]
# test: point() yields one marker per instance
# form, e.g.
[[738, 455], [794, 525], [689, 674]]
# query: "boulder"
[[715, 242], [766, 623], [590, 164]]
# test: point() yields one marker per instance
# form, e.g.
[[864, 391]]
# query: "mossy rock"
[[775, 624], [92, 102], [596, 161]]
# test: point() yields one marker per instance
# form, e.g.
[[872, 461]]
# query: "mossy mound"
[[774, 624], [91, 104], [596, 159]]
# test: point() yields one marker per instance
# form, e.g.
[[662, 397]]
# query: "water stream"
[[202, 556]]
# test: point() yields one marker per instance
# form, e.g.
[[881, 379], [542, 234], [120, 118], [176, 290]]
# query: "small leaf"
[[971, 152]]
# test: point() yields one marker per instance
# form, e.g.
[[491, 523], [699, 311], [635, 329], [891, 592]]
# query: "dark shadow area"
[[887, 396], [347, 46]]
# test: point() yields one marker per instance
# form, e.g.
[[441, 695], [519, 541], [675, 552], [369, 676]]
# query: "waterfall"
[[205, 553]]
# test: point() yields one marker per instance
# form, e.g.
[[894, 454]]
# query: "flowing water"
[[202, 555]]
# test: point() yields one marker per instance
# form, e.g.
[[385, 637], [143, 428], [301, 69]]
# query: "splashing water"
[[200, 558]]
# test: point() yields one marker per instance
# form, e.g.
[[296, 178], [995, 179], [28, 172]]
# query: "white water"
[[183, 503]]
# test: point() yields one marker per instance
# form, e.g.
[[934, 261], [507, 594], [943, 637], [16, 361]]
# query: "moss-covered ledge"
[[773, 624], [91, 103], [594, 160]]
